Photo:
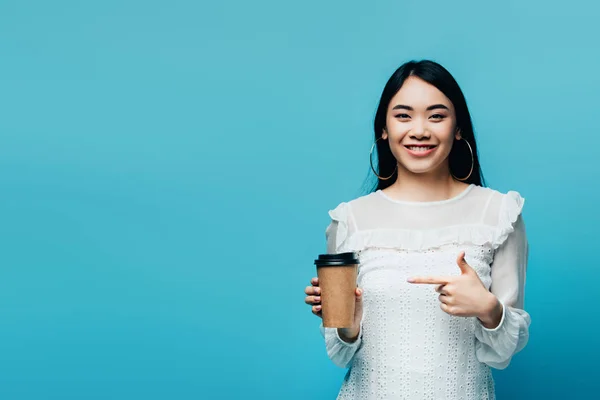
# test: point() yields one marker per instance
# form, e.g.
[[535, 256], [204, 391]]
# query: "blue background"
[[166, 169]]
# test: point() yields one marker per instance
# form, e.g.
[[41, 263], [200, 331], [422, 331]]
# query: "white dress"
[[408, 348]]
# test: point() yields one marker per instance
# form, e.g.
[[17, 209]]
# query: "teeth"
[[418, 148]]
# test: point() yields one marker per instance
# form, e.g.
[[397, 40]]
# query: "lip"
[[420, 153]]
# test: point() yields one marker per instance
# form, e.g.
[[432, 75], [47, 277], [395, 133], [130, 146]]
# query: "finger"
[[446, 289], [445, 299], [315, 281], [312, 300], [314, 290], [430, 280], [447, 309], [462, 263], [317, 310]]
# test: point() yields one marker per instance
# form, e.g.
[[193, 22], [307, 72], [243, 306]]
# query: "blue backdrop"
[[166, 169]]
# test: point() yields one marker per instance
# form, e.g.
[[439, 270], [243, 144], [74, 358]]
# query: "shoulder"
[[348, 207], [507, 199], [503, 212], [343, 223], [498, 200], [494, 192]]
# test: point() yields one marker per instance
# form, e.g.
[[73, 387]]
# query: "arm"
[[496, 346], [340, 349]]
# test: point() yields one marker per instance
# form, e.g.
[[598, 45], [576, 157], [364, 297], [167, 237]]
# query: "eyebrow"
[[433, 107]]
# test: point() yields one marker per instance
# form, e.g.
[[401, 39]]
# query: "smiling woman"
[[422, 105], [442, 258]]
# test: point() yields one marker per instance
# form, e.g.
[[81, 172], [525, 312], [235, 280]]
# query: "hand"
[[464, 295], [314, 298]]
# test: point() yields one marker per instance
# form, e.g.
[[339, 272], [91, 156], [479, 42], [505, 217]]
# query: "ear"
[[384, 134], [458, 136]]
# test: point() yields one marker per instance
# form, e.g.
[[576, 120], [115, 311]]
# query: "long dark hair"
[[460, 156]]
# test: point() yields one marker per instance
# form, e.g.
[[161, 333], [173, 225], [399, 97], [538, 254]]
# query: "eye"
[[438, 116], [404, 116]]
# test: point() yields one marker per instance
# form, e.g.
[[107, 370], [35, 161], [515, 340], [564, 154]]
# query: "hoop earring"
[[472, 163], [373, 168]]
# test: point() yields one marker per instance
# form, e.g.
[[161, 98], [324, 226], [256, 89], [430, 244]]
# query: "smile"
[[420, 151]]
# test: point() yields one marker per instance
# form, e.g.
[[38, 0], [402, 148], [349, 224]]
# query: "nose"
[[418, 130]]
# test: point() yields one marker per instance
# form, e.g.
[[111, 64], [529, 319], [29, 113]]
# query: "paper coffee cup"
[[337, 275]]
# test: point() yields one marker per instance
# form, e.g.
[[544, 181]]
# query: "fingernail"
[[317, 298], [411, 280], [318, 308]]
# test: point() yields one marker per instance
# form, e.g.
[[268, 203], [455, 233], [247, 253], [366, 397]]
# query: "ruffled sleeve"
[[495, 347], [510, 210], [337, 232], [341, 226]]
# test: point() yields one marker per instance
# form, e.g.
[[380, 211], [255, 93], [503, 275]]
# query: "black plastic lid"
[[335, 260]]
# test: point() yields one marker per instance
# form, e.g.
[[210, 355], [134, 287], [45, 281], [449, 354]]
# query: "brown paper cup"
[[337, 279]]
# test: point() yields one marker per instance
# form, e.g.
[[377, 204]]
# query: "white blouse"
[[408, 348]]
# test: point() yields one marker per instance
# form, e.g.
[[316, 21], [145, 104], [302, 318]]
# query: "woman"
[[442, 258]]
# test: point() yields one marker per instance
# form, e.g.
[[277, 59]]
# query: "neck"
[[431, 186]]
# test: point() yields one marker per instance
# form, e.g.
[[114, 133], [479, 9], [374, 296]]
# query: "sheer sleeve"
[[495, 347], [339, 351]]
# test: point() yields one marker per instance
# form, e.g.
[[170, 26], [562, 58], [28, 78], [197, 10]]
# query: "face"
[[420, 127]]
